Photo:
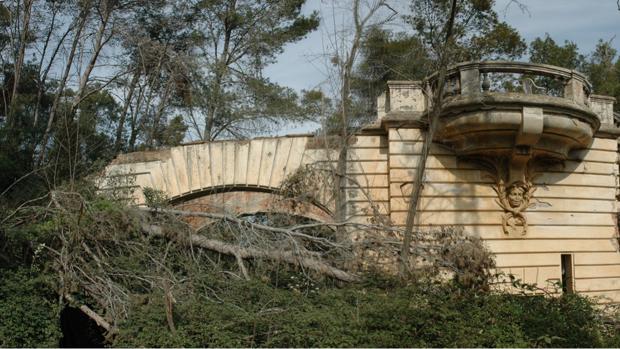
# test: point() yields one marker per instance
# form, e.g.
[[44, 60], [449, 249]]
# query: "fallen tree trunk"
[[292, 231], [101, 322], [250, 252]]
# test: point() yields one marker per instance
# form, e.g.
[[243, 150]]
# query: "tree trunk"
[[19, 62], [433, 116], [250, 252], [83, 16], [43, 74], [121, 122], [220, 71], [99, 43], [133, 134], [345, 100], [157, 118], [91, 314]]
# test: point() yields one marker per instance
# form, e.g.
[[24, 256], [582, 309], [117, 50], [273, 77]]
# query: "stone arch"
[[192, 170], [246, 200]]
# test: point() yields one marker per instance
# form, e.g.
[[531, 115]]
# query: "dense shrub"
[[414, 315], [165, 293], [29, 311]]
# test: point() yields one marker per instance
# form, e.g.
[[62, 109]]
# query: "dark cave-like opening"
[[78, 330]]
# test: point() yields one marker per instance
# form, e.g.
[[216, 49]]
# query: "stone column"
[[603, 106], [574, 91], [405, 96]]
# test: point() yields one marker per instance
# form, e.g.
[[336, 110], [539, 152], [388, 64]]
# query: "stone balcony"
[[504, 109]]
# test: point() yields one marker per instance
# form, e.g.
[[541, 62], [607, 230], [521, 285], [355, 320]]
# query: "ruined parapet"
[[402, 98], [525, 157], [493, 115]]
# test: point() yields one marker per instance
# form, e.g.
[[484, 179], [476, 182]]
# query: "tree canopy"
[[82, 81]]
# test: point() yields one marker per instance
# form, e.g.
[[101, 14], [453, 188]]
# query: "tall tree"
[[476, 30], [241, 37], [342, 57], [547, 51], [477, 34], [603, 69], [95, 24], [386, 55]]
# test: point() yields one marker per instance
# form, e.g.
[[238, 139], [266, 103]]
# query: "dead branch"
[[292, 231], [244, 270], [250, 252], [169, 303]]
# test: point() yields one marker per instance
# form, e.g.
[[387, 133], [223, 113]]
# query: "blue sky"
[[580, 21]]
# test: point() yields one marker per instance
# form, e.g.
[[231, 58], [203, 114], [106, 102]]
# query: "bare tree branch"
[[250, 252]]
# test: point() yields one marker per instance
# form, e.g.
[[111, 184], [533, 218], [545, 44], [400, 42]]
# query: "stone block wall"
[[367, 189], [573, 211]]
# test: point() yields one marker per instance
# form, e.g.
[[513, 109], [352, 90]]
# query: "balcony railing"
[[476, 78], [501, 107]]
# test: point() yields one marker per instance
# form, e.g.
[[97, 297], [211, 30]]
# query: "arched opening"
[[243, 202], [79, 331]]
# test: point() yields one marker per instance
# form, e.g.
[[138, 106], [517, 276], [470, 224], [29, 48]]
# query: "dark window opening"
[[567, 274], [79, 331]]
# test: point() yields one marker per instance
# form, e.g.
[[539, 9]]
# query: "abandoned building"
[[531, 170]]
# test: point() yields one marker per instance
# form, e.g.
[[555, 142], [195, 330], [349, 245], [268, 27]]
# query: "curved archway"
[[240, 201]]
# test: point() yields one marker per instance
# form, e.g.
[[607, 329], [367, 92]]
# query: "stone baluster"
[[470, 81]]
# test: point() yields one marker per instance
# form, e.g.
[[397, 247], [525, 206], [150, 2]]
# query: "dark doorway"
[[78, 330], [567, 273]]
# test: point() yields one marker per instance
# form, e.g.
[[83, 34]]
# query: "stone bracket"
[[531, 126], [529, 134]]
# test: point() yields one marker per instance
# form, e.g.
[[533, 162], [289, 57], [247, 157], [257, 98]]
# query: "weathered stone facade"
[[534, 174]]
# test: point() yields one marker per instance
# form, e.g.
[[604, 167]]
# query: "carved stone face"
[[516, 194]]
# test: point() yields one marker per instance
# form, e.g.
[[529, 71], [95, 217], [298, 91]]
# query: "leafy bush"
[[28, 310], [160, 291], [155, 198], [416, 315]]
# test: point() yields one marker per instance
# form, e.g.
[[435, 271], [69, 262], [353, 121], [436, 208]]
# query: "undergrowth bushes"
[[158, 291], [414, 315], [29, 311], [238, 313]]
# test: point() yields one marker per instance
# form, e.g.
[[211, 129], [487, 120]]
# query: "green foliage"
[[477, 32], [155, 198], [165, 280], [603, 70], [241, 39], [546, 51], [387, 56], [83, 139], [165, 133], [28, 310], [602, 66], [416, 315]]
